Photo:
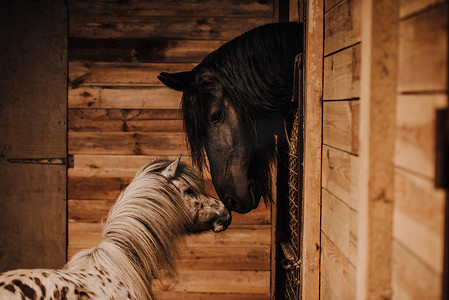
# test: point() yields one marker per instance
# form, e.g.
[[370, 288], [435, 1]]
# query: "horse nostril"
[[232, 204]]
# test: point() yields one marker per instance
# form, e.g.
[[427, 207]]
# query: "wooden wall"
[[340, 150], [33, 106], [121, 116], [418, 227]]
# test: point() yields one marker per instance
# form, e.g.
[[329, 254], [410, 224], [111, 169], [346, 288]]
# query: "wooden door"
[[33, 109]]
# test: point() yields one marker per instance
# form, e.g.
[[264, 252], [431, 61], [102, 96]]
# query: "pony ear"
[[178, 81], [170, 171]]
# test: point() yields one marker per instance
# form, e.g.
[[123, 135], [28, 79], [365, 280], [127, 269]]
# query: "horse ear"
[[178, 81], [170, 171]]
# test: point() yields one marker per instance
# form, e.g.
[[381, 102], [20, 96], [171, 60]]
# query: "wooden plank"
[[341, 175], [33, 105], [342, 26], [124, 143], [423, 48], [338, 275], [121, 73], [419, 218], [124, 98], [411, 278], [220, 281], [215, 296], [179, 27], [93, 211], [341, 125], [171, 8], [342, 75], [329, 4], [409, 7], [415, 132], [380, 29], [125, 120], [87, 235], [141, 50], [311, 207], [339, 224]]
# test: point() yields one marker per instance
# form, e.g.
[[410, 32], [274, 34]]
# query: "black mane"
[[255, 72]]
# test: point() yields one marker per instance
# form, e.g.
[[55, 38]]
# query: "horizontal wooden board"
[[216, 258], [87, 235], [121, 73], [124, 98], [423, 52], [216, 296], [179, 27], [94, 211], [342, 26], [157, 143], [342, 74], [339, 224], [419, 218], [340, 175], [411, 279], [341, 125], [329, 4], [409, 7], [140, 50], [415, 132], [219, 281], [87, 9], [338, 275], [125, 120]]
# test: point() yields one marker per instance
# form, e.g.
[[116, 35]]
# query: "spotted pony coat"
[[140, 240]]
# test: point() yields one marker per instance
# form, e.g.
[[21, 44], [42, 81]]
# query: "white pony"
[[139, 243]]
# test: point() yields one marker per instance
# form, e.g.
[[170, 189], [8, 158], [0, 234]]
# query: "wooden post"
[[310, 244], [377, 133]]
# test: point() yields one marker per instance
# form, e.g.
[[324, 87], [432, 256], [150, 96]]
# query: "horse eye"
[[189, 191], [216, 117]]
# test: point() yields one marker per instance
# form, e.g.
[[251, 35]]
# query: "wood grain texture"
[[121, 73], [339, 224], [419, 218], [179, 27], [415, 132], [124, 98], [171, 8], [409, 7], [341, 175], [147, 50], [342, 74], [423, 46], [411, 278], [338, 275], [342, 26], [341, 125]]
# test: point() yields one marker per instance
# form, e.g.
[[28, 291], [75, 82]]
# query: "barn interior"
[[81, 109]]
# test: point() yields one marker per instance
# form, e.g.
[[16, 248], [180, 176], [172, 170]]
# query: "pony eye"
[[189, 191], [216, 117]]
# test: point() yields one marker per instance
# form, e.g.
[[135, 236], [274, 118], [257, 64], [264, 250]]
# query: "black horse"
[[234, 103]]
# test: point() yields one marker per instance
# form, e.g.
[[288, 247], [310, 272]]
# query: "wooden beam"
[[310, 244], [377, 133]]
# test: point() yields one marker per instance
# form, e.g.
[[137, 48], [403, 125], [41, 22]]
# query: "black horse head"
[[234, 103]]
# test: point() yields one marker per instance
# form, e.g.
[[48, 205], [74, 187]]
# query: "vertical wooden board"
[[415, 132], [339, 225], [341, 125], [411, 279], [342, 26], [419, 218], [340, 175], [342, 75], [423, 46], [33, 105], [338, 275]]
